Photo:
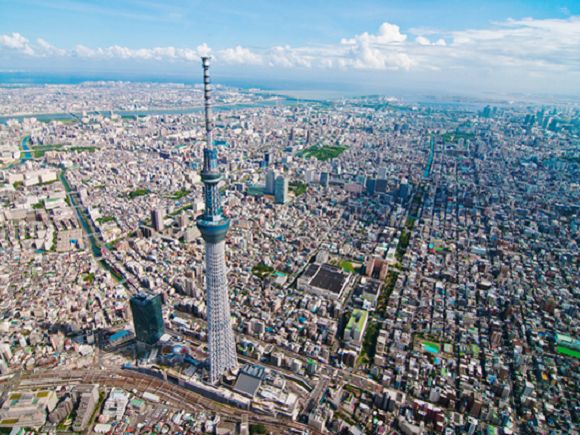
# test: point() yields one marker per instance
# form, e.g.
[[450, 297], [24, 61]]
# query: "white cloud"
[[526, 46], [367, 56], [203, 49], [422, 40], [83, 51], [239, 54], [383, 51], [388, 34], [157, 53], [17, 42], [288, 57], [549, 44], [47, 49]]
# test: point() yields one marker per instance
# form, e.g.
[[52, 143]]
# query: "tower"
[[213, 226]]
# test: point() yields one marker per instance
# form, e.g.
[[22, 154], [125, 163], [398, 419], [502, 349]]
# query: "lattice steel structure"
[[213, 226]]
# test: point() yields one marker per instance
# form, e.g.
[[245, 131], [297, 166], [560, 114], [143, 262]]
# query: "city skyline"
[[367, 223], [451, 48]]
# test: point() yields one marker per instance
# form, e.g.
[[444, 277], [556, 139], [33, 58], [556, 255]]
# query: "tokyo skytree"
[[213, 226]]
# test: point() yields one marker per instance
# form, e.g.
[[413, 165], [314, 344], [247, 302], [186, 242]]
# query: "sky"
[[453, 47]]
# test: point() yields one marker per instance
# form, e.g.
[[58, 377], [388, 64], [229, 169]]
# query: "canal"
[[26, 152], [430, 159], [90, 231]]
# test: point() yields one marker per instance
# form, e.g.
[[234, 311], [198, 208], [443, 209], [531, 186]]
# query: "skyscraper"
[[147, 317], [324, 179], [281, 189], [270, 180], [213, 226], [157, 218]]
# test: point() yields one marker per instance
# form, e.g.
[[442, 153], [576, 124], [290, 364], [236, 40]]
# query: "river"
[[179, 111]]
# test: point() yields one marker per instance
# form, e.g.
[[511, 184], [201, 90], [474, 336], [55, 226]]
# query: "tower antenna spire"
[[207, 101]]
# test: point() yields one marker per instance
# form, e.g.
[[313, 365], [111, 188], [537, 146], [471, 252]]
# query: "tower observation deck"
[[213, 226]]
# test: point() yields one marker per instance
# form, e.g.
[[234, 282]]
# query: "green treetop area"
[[105, 219], [347, 266], [370, 342], [262, 270], [454, 136], [298, 187], [138, 192], [62, 120], [179, 194], [40, 150], [323, 152]]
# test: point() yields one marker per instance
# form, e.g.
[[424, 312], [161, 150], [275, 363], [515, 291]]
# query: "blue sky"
[[448, 45]]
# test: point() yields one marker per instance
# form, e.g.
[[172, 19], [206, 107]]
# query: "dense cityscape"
[[393, 266]]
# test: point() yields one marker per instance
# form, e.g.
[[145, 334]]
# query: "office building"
[[88, 401], [157, 217], [356, 326], [311, 176], [281, 189], [370, 186], [27, 408], [270, 182], [147, 317]]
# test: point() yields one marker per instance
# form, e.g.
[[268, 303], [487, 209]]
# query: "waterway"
[[27, 153], [430, 159], [140, 113], [95, 248]]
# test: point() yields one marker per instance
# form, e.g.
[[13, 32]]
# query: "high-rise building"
[[311, 176], [324, 179], [281, 189], [404, 190], [157, 217], [270, 181], [147, 317], [213, 226], [371, 185]]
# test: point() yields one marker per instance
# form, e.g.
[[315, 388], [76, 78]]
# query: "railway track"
[[174, 395]]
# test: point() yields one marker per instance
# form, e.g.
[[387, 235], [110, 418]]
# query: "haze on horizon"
[[452, 48]]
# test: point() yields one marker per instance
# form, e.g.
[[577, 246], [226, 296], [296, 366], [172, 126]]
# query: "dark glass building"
[[147, 317]]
